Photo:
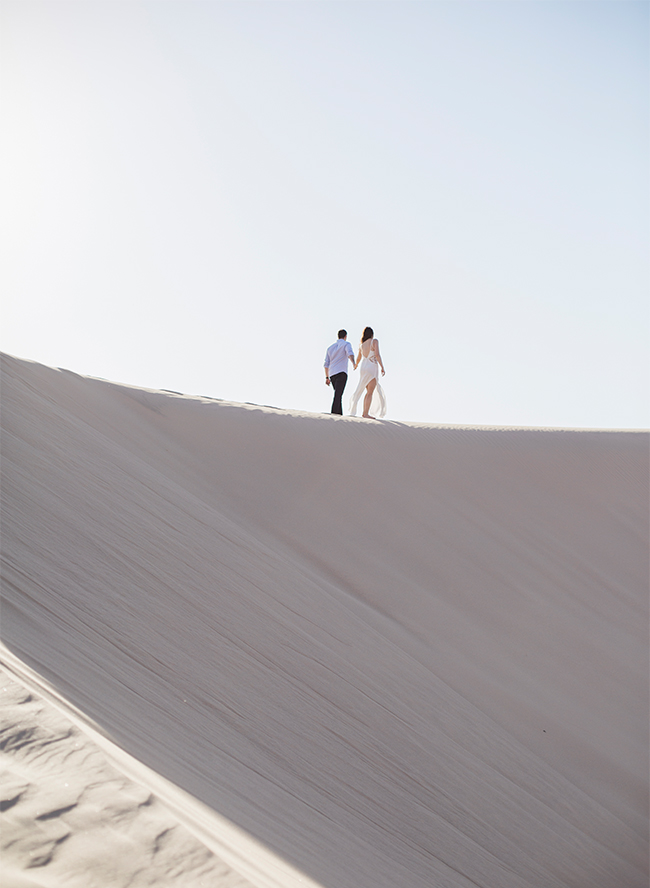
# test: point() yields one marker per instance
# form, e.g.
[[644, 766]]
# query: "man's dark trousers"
[[338, 381]]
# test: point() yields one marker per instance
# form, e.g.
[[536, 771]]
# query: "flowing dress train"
[[369, 370]]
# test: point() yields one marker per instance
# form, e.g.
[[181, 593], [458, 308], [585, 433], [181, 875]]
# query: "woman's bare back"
[[368, 348]]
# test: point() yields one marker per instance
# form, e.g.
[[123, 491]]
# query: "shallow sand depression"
[[255, 647]]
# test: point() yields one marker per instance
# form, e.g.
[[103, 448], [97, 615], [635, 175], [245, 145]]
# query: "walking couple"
[[336, 366]]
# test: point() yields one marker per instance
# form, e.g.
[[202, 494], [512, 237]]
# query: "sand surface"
[[254, 647]]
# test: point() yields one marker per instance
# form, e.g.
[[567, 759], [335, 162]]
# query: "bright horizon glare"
[[197, 195]]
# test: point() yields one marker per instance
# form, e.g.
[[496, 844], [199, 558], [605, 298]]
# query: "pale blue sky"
[[199, 194]]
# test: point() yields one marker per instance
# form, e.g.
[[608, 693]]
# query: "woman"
[[370, 360]]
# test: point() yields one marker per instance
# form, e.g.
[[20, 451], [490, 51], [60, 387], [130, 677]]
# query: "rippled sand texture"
[[366, 654], [69, 817]]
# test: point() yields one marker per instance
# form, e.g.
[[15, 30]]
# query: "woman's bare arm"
[[379, 360]]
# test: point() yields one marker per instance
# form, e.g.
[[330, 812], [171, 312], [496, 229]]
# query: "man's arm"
[[327, 367]]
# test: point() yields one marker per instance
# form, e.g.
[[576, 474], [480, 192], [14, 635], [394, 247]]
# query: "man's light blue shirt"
[[336, 359]]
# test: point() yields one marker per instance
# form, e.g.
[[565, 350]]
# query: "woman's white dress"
[[369, 370]]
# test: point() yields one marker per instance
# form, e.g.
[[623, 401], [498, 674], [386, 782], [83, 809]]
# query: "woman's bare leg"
[[367, 401]]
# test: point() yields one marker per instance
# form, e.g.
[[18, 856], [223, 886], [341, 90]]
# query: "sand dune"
[[70, 817], [352, 653]]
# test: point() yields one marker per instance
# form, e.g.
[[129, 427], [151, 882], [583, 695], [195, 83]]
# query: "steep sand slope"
[[396, 655]]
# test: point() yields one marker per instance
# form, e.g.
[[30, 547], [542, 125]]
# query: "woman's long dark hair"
[[367, 334]]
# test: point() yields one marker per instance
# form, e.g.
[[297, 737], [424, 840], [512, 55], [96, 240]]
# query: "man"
[[336, 367]]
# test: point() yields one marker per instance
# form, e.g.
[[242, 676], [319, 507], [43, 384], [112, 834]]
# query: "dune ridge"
[[393, 654]]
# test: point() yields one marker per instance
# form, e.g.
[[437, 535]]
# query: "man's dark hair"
[[342, 333]]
